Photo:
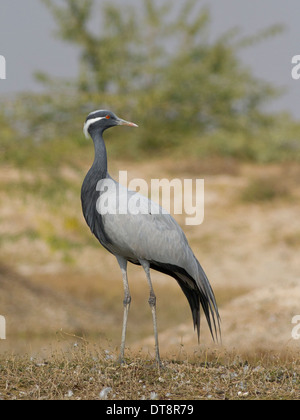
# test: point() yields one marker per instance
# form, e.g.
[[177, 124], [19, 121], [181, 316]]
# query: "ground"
[[86, 374]]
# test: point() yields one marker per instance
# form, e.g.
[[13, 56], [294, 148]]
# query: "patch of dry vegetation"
[[82, 374]]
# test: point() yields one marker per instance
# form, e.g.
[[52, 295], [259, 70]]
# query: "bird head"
[[102, 120]]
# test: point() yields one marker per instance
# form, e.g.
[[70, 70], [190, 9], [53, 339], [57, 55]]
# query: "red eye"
[[107, 117]]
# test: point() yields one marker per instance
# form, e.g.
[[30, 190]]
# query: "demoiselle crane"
[[142, 237]]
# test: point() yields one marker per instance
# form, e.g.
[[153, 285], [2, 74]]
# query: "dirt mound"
[[258, 321]]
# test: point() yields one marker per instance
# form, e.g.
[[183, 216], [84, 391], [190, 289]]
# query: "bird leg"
[[152, 303], [126, 303]]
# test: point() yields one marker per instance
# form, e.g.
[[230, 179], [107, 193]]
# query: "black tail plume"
[[199, 294]]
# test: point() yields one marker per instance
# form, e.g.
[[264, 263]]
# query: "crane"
[[153, 241]]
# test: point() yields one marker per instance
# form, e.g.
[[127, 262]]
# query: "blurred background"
[[210, 85]]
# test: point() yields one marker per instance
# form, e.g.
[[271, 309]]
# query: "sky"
[[28, 43]]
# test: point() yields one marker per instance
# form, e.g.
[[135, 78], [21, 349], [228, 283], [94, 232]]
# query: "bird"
[[152, 240]]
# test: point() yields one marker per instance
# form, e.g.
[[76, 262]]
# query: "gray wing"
[[158, 238], [146, 231], [149, 237]]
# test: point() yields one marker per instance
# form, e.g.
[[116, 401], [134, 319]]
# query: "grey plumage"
[[154, 241]]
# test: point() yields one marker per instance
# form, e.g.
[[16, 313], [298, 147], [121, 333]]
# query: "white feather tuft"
[[89, 123]]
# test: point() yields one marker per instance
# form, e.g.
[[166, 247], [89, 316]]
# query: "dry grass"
[[82, 373]]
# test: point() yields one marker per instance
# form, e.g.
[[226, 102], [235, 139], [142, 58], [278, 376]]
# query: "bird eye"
[[107, 117]]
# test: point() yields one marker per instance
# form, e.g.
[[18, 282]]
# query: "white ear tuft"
[[89, 123]]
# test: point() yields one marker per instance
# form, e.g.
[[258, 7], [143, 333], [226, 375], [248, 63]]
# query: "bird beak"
[[127, 123]]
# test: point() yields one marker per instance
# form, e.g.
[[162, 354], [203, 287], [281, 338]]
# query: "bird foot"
[[121, 361], [159, 365]]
